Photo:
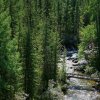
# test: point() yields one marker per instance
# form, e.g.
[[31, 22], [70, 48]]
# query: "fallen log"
[[70, 75]]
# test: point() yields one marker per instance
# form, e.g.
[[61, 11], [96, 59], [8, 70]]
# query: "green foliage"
[[31, 33], [87, 37], [53, 92], [90, 70], [9, 57], [98, 34], [89, 33]]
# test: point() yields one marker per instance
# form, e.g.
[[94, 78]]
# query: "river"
[[79, 89]]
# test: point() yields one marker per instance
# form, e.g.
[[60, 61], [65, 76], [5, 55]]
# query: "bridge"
[[79, 76]]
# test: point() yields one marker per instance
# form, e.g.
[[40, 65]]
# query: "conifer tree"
[[32, 50], [9, 56], [98, 33], [51, 42]]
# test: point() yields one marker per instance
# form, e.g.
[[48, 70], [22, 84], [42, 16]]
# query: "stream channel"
[[79, 89]]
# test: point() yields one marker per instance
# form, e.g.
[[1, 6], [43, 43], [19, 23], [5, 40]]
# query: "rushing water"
[[80, 89]]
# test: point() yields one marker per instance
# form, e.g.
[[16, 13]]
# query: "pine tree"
[[51, 42], [98, 33], [4, 38], [31, 49], [9, 56]]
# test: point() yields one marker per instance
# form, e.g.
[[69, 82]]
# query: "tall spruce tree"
[[98, 33], [51, 42], [9, 56], [32, 52]]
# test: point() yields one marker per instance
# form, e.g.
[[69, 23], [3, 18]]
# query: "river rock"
[[96, 98], [97, 87], [83, 62]]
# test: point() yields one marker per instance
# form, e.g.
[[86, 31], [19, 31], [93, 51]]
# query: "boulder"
[[83, 62]]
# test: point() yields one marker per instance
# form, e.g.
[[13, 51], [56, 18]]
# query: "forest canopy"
[[33, 36]]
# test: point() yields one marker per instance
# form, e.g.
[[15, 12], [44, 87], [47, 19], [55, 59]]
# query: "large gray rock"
[[83, 62]]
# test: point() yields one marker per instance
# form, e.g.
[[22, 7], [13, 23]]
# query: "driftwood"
[[70, 75], [81, 88]]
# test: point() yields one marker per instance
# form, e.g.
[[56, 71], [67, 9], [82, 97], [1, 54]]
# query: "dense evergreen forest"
[[34, 34]]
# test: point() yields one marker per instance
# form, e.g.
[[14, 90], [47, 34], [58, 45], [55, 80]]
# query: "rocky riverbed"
[[79, 89]]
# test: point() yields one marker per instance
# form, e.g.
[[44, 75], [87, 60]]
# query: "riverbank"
[[79, 89]]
